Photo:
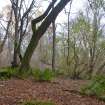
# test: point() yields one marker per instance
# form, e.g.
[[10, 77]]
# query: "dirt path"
[[13, 92]]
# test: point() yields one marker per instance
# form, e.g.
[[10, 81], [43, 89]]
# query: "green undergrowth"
[[37, 103], [36, 74], [43, 75], [7, 73], [96, 87]]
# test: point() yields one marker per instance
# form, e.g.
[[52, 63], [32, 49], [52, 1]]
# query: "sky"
[[77, 5], [3, 3]]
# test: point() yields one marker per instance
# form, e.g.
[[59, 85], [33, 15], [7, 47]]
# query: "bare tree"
[[21, 14], [6, 31]]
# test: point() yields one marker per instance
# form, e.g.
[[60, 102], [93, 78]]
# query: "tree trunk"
[[68, 40], [40, 31], [14, 62], [54, 47]]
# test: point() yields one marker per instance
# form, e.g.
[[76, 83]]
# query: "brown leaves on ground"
[[15, 91]]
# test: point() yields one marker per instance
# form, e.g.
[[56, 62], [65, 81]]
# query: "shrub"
[[37, 103], [12, 71], [23, 74], [7, 73], [45, 75], [36, 74], [96, 87], [4, 75]]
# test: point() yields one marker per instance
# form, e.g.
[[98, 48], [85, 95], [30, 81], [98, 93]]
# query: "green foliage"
[[13, 72], [37, 103], [7, 73], [45, 75], [23, 74], [96, 87], [4, 75], [36, 74], [81, 23]]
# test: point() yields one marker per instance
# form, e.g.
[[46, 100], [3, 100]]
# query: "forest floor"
[[60, 91]]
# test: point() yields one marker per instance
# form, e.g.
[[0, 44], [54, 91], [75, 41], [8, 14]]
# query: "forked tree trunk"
[[37, 34]]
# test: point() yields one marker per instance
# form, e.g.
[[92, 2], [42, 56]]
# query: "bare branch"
[[6, 34], [40, 18]]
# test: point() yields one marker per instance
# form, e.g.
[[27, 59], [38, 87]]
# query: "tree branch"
[[40, 18]]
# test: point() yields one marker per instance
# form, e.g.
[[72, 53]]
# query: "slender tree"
[[21, 14], [68, 39], [6, 31], [54, 44]]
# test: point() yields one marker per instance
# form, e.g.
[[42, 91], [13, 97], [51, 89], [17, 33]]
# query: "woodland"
[[52, 55]]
